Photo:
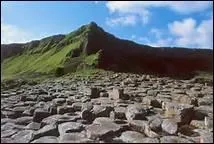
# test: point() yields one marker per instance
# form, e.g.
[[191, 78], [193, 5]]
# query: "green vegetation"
[[51, 56], [92, 59]]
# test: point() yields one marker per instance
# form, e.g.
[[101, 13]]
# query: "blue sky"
[[156, 23]]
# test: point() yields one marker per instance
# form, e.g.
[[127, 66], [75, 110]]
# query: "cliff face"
[[114, 54], [8, 50], [124, 55]]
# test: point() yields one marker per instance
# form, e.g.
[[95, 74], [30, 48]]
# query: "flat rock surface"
[[108, 107]]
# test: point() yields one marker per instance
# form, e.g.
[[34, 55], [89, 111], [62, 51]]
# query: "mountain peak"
[[92, 23], [92, 26]]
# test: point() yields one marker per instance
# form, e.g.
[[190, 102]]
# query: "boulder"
[[132, 137], [95, 92], [118, 94], [136, 112], [46, 139], [182, 113], [39, 115], [74, 138], [33, 126], [102, 128], [65, 109], [70, 127], [142, 127], [102, 111], [48, 130], [23, 136], [169, 126], [118, 113], [24, 120], [155, 124], [174, 139]]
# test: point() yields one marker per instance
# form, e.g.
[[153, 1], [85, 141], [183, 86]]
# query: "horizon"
[[182, 27]]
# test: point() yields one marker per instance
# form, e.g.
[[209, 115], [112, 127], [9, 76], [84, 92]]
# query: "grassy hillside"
[[47, 55]]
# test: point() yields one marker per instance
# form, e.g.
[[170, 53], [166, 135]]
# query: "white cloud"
[[123, 20], [13, 34], [187, 33], [141, 8]]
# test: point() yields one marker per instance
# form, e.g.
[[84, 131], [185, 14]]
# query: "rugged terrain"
[[128, 93], [91, 46], [107, 107]]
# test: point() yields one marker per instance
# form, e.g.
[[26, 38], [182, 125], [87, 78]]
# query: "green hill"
[[49, 55], [90, 47]]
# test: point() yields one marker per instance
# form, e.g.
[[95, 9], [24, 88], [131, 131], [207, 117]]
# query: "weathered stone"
[[102, 111], [48, 130], [65, 109], [143, 127], [70, 127], [155, 124], [87, 106], [45, 98], [7, 140], [156, 103], [29, 112], [202, 111], [57, 119], [182, 113], [70, 101], [198, 124], [23, 98], [136, 112], [52, 110], [7, 120], [195, 89], [95, 92], [40, 114], [104, 94], [33, 126], [118, 94], [11, 114], [118, 113], [8, 133], [77, 106], [208, 100], [19, 110], [132, 137], [46, 139], [152, 93], [74, 138], [178, 91], [102, 128], [24, 120], [59, 101], [23, 136], [87, 115], [204, 135], [9, 125], [30, 103], [169, 126], [208, 122], [174, 139]]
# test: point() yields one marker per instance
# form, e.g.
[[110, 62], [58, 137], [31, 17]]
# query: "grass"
[[51, 56], [41, 63], [43, 59], [92, 59]]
